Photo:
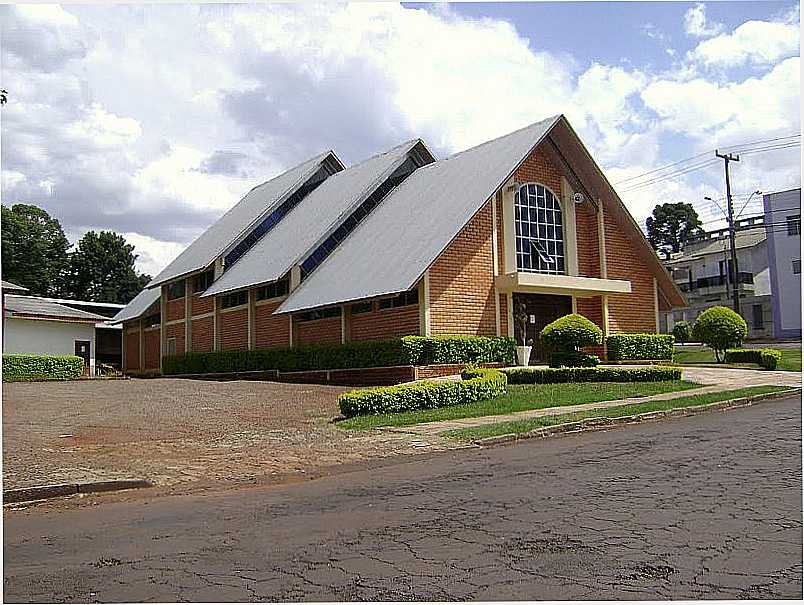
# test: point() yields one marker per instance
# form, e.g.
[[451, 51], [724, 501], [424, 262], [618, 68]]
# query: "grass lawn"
[[523, 397], [790, 362], [523, 426]]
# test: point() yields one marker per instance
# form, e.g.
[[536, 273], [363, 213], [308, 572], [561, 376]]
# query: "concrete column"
[[656, 302], [601, 238], [252, 318], [188, 311], [605, 314], [425, 326]]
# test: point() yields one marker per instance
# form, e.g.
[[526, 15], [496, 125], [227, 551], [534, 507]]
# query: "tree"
[[672, 226], [102, 269], [720, 328], [34, 249], [682, 332]]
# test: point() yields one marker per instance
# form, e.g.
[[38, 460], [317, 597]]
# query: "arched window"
[[539, 231]]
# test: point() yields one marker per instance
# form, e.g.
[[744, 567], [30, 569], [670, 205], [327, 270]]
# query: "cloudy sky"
[[153, 120]]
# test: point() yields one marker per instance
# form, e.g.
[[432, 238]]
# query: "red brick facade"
[[152, 349], [318, 331], [132, 350], [234, 329], [201, 335], [461, 282], [379, 324], [271, 331], [175, 331], [460, 288]]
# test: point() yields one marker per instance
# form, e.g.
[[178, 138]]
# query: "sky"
[[152, 120]]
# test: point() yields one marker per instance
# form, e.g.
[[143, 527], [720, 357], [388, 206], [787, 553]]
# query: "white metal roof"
[[322, 210], [9, 287], [257, 202], [138, 305], [39, 307], [393, 246]]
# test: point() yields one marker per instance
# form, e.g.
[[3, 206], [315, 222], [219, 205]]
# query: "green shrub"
[[682, 332], [17, 368], [426, 350], [573, 359], [639, 346], [477, 384], [409, 350], [556, 375], [765, 358], [570, 333], [720, 328]]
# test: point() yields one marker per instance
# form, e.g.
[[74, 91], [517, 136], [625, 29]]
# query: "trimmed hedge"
[[682, 332], [765, 358], [408, 350], [19, 368], [556, 375], [477, 384], [639, 346], [573, 359], [571, 332]]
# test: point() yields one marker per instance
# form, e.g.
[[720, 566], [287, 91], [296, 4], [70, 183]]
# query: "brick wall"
[[199, 306], [132, 350], [318, 331], [462, 282], [381, 324], [586, 234], [176, 331], [634, 312], [537, 168], [234, 329], [201, 335], [271, 331], [152, 349], [500, 234], [175, 309]]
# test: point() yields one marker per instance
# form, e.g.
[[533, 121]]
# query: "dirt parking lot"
[[184, 434]]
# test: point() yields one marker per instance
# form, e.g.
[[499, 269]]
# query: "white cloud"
[[152, 120], [753, 42], [697, 25]]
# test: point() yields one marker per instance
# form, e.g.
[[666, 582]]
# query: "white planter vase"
[[523, 355]]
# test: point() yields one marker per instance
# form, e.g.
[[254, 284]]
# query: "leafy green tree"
[[672, 225], [720, 328], [34, 249], [102, 269]]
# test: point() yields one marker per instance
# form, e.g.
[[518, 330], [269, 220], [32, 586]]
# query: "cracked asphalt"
[[699, 507]]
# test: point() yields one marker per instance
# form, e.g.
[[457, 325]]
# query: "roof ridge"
[[552, 118]]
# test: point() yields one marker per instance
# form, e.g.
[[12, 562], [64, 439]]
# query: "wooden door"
[[82, 351], [541, 310]]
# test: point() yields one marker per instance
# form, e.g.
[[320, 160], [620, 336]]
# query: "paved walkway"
[[715, 379]]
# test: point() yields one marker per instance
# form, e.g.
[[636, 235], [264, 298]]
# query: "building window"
[[364, 307], [759, 322], [274, 290], [411, 297], [151, 320], [235, 299], [202, 281], [797, 266], [539, 231], [794, 224], [171, 346], [175, 290], [320, 314]]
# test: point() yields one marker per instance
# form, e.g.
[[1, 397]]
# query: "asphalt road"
[[700, 507]]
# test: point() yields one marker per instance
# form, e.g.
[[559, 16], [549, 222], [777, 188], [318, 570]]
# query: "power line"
[[671, 176]]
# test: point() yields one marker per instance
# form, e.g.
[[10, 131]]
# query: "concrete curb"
[[601, 423], [45, 492]]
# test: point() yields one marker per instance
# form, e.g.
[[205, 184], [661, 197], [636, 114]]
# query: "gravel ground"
[[180, 432]]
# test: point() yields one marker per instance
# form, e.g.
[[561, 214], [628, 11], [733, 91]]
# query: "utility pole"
[[734, 273]]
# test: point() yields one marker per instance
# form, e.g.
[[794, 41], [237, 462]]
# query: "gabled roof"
[[718, 245], [7, 286], [391, 249], [33, 307], [320, 212], [138, 305], [256, 204]]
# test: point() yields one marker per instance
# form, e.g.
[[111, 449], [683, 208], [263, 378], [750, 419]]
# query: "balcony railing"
[[743, 277]]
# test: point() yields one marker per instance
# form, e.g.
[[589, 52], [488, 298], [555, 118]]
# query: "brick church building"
[[401, 244]]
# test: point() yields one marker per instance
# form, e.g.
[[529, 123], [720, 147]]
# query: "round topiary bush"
[[682, 332], [720, 328], [570, 333]]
